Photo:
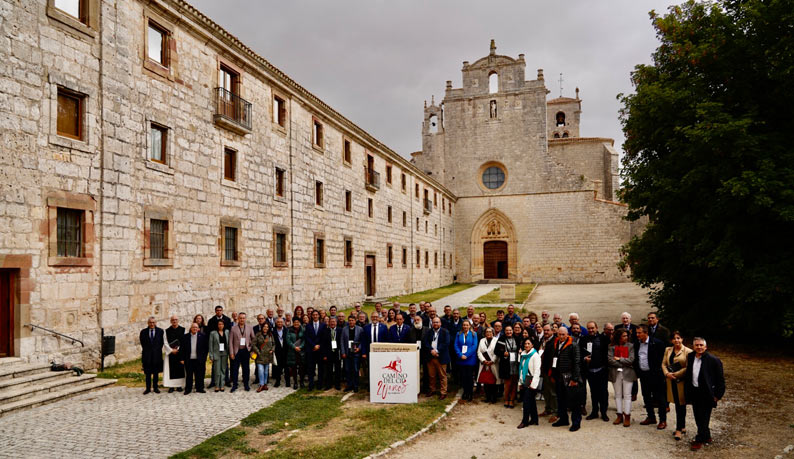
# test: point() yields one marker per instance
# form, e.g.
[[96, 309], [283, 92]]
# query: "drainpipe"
[[291, 213], [99, 214]]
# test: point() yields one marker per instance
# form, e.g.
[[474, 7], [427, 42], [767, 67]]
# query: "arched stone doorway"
[[494, 253]]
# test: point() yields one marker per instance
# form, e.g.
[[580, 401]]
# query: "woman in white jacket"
[[529, 377], [486, 354]]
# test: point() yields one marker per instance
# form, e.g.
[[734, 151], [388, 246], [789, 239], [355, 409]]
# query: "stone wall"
[[117, 287]]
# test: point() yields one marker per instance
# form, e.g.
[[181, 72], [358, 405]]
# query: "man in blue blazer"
[[648, 354], [436, 341], [704, 386], [398, 333], [374, 332], [314, 354], [151, 339]]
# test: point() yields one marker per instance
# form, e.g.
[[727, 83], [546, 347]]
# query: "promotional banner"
[[393, 373]]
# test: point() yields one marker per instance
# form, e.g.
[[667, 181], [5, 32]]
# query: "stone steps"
[[24, 385], [53, 396]]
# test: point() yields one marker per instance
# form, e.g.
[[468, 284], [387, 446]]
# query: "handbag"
[[486, 376]]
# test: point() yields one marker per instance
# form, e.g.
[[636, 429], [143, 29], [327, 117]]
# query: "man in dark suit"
[[567, 374], [330, 343], [648, 353], [436, 341], [704, 386], [193, 351], [280, 352], [398, 333], [212, 325], [152, 354], [351, 352], [657, 330], [314, 354], [415, 335], [594, 348], [374, 332]]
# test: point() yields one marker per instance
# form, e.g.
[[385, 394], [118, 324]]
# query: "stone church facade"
[[152, 164], [535, 201]]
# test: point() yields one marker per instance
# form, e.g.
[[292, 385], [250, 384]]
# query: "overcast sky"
[[377, 61]]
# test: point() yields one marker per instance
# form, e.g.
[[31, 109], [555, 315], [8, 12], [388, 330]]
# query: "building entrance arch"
[[494, 253]]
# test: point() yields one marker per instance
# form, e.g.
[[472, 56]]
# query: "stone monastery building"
[[152, 164]]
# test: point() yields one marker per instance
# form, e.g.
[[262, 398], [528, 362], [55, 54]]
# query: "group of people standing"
[[518, 359]]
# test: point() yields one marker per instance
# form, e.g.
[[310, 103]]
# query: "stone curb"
[[526, 302], [399, 443]]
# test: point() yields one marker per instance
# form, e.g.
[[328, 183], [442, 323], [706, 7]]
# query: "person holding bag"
[[264, 345], [486, 353], [529, 379], [674, 369], [620, 358]]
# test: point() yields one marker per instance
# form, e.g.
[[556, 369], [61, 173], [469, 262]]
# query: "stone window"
[[370, 208], [433, 120], [435, 229], [444, 259], [493, 83], [279, 111], [418, 258], [319, 250], [417, 223], [230, 164], [560, 118], [403, 182], [427, 259], [416, 190], [435, 259], [405, 219], [230, 242], [158, 238], [318, 193], [493, 176], [280, 182], [450, 208], [556, 135], [565, 135], [425, 226], [388, 214], [348, 201], [79, 15], [405, 257], [348, 252], [71, 229], [388, 174], [347, 151], [435, 199], [158, 138], [280, 246], [157, 44], [318, 140], [71, 114], [389, 255]]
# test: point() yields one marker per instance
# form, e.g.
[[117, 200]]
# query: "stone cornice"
[[568, 140], [272, 73]]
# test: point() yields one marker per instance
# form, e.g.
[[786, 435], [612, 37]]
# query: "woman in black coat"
[[507, 349]]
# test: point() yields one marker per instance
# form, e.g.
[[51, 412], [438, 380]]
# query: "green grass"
[[217, 445], [373, 428], [492, 297], [365, 428], [295, 411], [426, 295]]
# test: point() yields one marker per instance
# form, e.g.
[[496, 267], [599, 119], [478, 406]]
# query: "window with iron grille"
[[230, 243], [158, 238], [70, 232]]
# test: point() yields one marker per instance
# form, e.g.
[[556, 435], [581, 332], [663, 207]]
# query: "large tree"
[[709, 161]]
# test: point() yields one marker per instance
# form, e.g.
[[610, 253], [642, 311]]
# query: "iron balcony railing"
[[372, 178], [232, 107], [428, 206]]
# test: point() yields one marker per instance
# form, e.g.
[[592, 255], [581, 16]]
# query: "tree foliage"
[[709, 161]]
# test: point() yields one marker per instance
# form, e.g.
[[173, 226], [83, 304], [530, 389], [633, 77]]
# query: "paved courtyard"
[[121, 422], [599, 302]]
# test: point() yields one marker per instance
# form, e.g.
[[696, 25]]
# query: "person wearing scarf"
[[486, 353], [529, 378]]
